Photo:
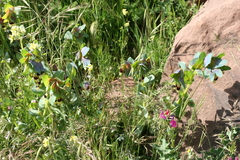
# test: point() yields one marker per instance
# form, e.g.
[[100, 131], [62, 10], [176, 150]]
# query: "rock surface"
[[214, 29]]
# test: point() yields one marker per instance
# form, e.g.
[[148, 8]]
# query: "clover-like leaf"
[[130, 60], [59, 74], [149, 79], [192, 62], [178, 77], [68, 35], [218, 72], [219, 62], [196, 55], [182, 65], [198, 61], [188, 77], [209, 74], [207, 59]]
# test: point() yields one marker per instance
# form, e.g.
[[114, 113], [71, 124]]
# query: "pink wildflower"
[[162, 115], [173, 123], [236, 158]]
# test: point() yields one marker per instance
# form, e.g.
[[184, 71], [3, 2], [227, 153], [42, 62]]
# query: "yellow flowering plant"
[[17, 33]]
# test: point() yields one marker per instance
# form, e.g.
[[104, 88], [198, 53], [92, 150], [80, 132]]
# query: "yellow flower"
[[90, 67], [17, 32], [33, 46], [126, 24], [46, 142], [73, 139], [125, 12]]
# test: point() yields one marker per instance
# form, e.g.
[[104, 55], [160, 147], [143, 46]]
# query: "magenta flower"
[[173, 123], [166, 115], [162, 115], [236, 158]]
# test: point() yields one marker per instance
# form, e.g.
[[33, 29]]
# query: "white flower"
[[81, 55], [120, 138]]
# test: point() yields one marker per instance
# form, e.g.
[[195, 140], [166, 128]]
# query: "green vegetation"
[[57, 60]]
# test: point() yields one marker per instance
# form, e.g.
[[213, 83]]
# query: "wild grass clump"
[[58, 59]]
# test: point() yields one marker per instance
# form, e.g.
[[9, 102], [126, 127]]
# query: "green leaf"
[[219, 62], [191, 103], [202, 55], [46, 79], [144, 57], [135, 64], [42, 102], [207, 60], [192, 62], [47, 69], [209, 74], [178, 77], [39, 90], [68, 35], [21, 124], [37, 66], [130, 60], [225, 68], [58, 111], [199, 72], [33, 112], [23, 60], [7, 102], [7, 6], [198, 64], [52, 99], [71, 70], [148, 80], [197, 61], [221, 55], [164, 147], [24, 52], [59, 74], [218, 72], [196, 55], [182, 65], [212, 77], [188, 77]]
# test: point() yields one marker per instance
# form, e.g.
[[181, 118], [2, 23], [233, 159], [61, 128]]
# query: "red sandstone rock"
[[214, 29]]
